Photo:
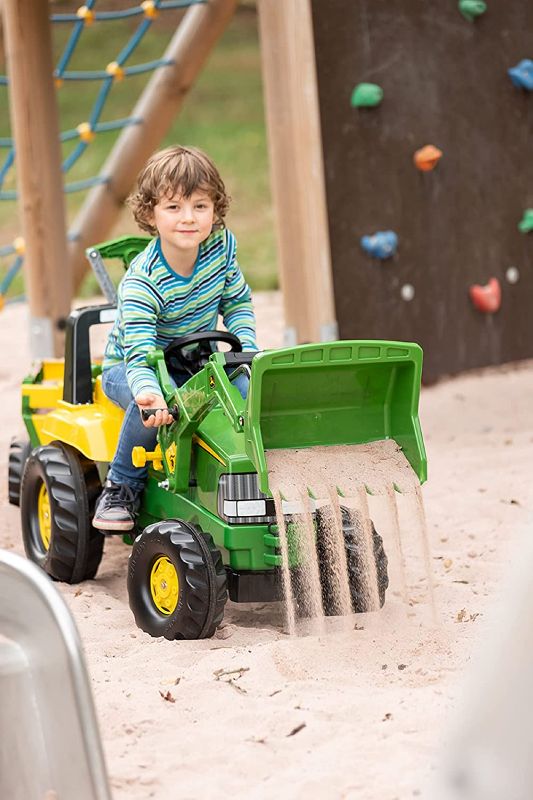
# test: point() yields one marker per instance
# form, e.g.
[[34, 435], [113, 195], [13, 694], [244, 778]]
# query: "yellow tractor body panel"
[[93, 429]]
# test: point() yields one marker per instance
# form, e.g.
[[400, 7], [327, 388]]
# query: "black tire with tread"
[[202, 581], [354, 563], [73, 485], [19, 451]]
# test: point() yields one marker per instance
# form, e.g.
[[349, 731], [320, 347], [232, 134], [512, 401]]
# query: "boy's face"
[[183, 222]]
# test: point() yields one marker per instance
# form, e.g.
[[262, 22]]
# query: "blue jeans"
[[133, 433]]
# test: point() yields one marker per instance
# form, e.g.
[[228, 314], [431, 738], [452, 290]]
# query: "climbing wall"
[[437, 252]]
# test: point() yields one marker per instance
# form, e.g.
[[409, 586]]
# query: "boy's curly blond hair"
[[174, 170]]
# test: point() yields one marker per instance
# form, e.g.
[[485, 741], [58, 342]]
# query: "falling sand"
[[334, 561]]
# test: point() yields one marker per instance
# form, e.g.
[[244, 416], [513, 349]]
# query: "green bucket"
[[334, 393]]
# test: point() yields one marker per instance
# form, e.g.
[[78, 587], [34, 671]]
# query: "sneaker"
[[116, 508]]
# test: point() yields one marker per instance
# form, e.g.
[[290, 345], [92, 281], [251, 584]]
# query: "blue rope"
[[107, 85], [6, 250], [68, 188], [101, 74], [102, 127], [62, 73], [71, 159], [73, 40], [130, 46], [7, 165], [127, 12], [80, 186], [10, 274]]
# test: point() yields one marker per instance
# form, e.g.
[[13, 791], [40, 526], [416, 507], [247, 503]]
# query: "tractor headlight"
[[240, 501]]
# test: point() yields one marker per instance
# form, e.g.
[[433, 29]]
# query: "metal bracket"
[[102, 276]]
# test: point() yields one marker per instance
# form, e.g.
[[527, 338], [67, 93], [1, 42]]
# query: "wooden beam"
[[35, 126], [296, 166], [162, 98]]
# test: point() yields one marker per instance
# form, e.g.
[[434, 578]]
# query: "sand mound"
[[348, 713]]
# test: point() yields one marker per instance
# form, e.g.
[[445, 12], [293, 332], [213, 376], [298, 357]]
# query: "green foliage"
[[223, 114]]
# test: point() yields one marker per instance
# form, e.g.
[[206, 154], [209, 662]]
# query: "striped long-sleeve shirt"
[[156, 305]]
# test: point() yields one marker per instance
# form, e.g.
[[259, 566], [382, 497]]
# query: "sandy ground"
[[352, 712]]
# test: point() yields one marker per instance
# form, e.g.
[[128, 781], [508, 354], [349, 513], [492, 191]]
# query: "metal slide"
[[50, 743]]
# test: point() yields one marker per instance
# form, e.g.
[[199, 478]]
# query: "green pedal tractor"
[[206, 528]]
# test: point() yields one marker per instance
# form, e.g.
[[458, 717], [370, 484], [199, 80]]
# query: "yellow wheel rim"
[[164, 586], [45, 518]]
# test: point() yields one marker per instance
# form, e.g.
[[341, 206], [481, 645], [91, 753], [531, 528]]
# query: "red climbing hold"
[[487, 298], [427, 158]]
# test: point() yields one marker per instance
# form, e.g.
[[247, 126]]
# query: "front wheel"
[[59, 488], [177, 584]]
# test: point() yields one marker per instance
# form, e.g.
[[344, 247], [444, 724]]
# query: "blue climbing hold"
[[381, 245], [522, 74]]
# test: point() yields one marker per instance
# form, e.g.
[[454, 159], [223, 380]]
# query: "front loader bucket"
[[348, 392]]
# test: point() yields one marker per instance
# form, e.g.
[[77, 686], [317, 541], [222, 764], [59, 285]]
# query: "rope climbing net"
[[86, 131]]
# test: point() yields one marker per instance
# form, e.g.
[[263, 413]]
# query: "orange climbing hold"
[[20, 245], [427, 158], [488, 298], [85, 132], [85, 14], [150, 9], [115, 70]]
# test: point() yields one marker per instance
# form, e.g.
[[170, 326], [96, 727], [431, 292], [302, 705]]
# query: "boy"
[[179, 284]]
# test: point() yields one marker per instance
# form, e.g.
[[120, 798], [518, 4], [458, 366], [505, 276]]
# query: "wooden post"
[[194, 39], [296, 166], [34, 122]]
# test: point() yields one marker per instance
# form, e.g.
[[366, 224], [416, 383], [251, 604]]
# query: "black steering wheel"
[[191, 352]]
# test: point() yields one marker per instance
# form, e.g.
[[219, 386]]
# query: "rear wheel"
[[177, 584], [353, 537], [57, 496], [19, 451]]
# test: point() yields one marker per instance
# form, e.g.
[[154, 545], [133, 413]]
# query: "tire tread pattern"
[[19, 451], [72, 483], [203, 580]]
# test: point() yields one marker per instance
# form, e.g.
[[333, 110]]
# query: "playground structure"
[[54, 266], [379, 192]]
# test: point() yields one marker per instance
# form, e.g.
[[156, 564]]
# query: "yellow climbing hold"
[[20, 245], [85, 14], [85, 132], [2, 301], [149, 8], [115, 70], [58, 82]]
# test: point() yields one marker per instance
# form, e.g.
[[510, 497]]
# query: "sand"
[[353, 713]]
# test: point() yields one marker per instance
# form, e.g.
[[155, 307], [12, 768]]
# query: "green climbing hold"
[[526, 223], [470, 9], [367, 95]]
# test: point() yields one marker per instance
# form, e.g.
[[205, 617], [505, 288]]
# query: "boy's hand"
[[161, 415]]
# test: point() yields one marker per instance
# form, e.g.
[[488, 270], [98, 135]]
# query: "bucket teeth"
[[298, 507]]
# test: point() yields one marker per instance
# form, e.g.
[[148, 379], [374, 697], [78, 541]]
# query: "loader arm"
[[208, 388]]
